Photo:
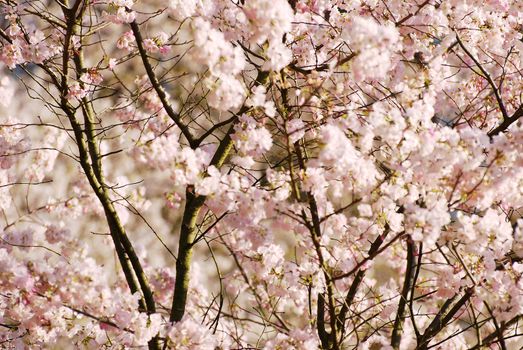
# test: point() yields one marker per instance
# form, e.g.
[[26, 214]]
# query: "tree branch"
[[409, 280], [188, 231], [443, 317], [159, 89]]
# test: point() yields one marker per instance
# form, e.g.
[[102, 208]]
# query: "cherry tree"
[[261, 174]]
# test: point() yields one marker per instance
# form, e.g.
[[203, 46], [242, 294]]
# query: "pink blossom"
[[157, 44], [125, 40], [226, 92], [92, 76], [251, 139], [112, 63], [279, 56], [122, 14], [189, 334], [295, 129], [76, 92], [181, 9], [268, 19]]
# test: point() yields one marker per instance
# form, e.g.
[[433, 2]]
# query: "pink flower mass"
[[261, 174]]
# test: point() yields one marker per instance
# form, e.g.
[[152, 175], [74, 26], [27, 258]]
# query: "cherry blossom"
[[261, 174]]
